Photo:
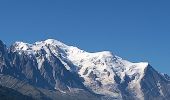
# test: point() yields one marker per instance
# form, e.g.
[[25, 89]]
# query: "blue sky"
[[137, 30]]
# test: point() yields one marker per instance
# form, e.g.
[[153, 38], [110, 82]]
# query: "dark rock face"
[[51, 75], [26, 68], [2, 49], [21, 71], [58, 76], [26, 90], [155, 86], [21, 76], [5, 66]]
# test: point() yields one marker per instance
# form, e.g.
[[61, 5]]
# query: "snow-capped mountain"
[[51, 64]]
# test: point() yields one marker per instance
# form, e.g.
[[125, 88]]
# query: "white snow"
[[40, 62], [104, 65], [160, 88]]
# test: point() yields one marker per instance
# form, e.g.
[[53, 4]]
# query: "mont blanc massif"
[[52, 70]]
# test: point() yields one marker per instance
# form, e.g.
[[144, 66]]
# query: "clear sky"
[[136, 30]]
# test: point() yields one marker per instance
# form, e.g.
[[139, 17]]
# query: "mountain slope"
[[155, 86], [55, 66], [9, 94]]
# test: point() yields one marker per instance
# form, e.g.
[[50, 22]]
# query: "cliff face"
[[52, 69]]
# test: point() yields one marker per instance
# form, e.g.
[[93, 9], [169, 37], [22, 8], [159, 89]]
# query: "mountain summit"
[[51, 66]]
